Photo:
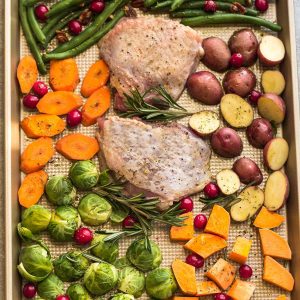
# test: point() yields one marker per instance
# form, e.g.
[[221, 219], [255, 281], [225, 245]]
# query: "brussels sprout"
[[36, 218], [35, 263], [84, 174], [143, 259], [60, 190], [77, 291], [119, 214], [107, 251], [50, 287], [100, 278], [122, 262], [63, 223], [70, 266], [131, 281], [161, 284], [94, 210], [121, 296]]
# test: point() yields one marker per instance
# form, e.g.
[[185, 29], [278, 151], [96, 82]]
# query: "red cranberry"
[[29, 290], [83, 236], [236, 60], [254, 96], [74, 118], [262, 5], [195, 260], [30, 101], [41, 11], [245, 271], [62, 297], [186, 204], [200, 221], [211, 190], [210, 6], [40, 88], [221, 296], [129, 221], [97, 6], [75, 27]]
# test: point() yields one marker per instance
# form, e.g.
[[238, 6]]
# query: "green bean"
[[30, 39], [62, 5], [229, 18], [35, 26], [190, 13], [32, 2], [149, 3], [176, 4], [88, 43], [163, 4]]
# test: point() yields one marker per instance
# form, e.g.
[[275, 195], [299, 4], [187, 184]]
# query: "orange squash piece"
[[184, 298], [96, 77], [240, 250], [205, 244], [59, 103], [37, 154], [183, 233], [274, 245], [96, 106], [241, 290], [276, 274], [268, 219], [77, 146], [32, 188], [222, 273], [185, 275], [218, 222], [64, 75], [36, 126], [206, 288], [281, 297], [27, 73]]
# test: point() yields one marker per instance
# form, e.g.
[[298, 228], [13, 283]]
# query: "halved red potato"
[[205, 122], [228, 181], [273, 81]]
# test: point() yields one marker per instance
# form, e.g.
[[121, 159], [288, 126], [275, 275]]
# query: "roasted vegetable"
[[121, 296], [273, 81], [183, 233], [240, 250], [241, 289], [77, 291], [27, 73], [205, 288], [51, 287], [205, 122], [228, 181], [268, 219]]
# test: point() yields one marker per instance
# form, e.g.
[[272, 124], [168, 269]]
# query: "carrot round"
[[32, 188], [77, 146], [37, 154], [36, 126], [59, 103], [96, 77], [27, 73], [96, 105], [64, 75]]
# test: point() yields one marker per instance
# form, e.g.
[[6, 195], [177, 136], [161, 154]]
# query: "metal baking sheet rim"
[[291, 131]]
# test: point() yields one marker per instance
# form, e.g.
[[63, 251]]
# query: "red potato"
[[226, 142], [276, 153], [205, 122], [228, 181], [272, 108], [271, 51], [204, 87], [273, 81], [276, 191]]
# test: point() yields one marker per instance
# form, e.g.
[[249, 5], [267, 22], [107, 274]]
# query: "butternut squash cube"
[[241, 290], [206, 288], [183, 233], [268, 219], [240, 250], [184, 298], [281, 297]]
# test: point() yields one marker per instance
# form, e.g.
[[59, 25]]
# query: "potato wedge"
[[205, 122], [228, 181], [273, 81], [252, 198], [236, 111]]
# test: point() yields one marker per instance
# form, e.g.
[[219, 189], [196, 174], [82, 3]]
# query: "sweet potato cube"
[[274, 245], [185, 275], [218, 222], [183, 233], [222, 273], [268, 219], [206, 244], [276, 274], [241, 290], [240, 250], [206, 288]]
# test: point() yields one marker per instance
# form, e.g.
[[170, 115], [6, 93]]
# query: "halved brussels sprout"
[[70, 266], [77, 291], [51, 287], [63, 223], [143, 259], [100, 278], [94, 210], [161, 283], [119, 214], [36, 218], [60, 190], [131, 281], [122, 262], [107, 251], [35, 263], [121, 296], [84, 174]]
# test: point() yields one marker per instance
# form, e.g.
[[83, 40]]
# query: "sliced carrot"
[[37, 154], [27, 73], [268, 219], [96, 105], [32, 188], [96, 77], [185, 232], [77, 146], [64, 75], [206, 288], [241, 290], [36, 126], [59, 103], [240, 250]]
